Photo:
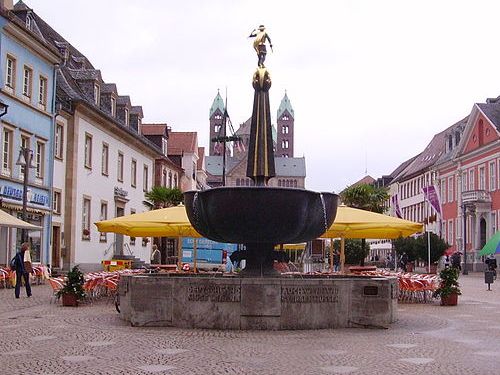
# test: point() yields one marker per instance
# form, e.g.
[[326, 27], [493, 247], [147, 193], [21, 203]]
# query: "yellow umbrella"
[[7, 220], [355, 223], [165, 222]]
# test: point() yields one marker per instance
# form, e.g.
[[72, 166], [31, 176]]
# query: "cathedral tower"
[[216, 118], [285, 122]]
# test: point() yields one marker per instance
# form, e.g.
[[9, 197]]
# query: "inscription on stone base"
[[214, 293], [309, 294]]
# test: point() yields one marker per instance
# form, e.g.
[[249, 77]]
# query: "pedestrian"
[[403, 261], [447, 261], [456, 259], [336, 261], [23, 269]]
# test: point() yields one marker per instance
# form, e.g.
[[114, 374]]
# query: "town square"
[[165, 208]]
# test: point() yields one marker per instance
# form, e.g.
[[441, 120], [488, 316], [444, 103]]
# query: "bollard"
[[488, 278]]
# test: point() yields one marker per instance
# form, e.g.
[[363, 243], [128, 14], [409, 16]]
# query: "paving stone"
[[339, 369], [170, 351], [402, 346], [417, 361], [156, 368], [99, 343], [77, 358]]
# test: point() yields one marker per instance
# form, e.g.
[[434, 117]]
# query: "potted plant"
[[72, 290], [448, 288]]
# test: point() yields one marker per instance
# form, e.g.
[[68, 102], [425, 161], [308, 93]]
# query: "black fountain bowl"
[[260, 214]]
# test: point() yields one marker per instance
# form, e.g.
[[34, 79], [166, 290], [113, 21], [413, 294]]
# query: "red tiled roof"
[[180, 142], [367, 180], [154, 129]]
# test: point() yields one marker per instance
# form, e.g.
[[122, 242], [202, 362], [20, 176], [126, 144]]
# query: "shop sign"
[[12, 192], [119, 192], [38, 198]]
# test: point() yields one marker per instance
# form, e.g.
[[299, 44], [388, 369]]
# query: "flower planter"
[[69, 300], [449, 300]]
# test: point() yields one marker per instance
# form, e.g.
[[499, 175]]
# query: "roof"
[[108, 88], [85, 74], [492, 111], [289, 167], [218, 104], [367, 180], [285, 105], [154, 129], [244, 129], [401, 167], [431, 155], [181, 142], [213, 164], [137, 110], [123, 100]]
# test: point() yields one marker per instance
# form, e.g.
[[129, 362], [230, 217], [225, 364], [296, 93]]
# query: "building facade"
[[27, 82], [103, 165]]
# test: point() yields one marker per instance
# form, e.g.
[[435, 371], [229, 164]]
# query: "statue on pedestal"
[[259, 44]]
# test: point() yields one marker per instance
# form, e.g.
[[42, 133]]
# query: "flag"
[[432, 196], [395, 204]]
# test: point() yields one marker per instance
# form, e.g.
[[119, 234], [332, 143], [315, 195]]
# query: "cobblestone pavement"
[[37, 337]]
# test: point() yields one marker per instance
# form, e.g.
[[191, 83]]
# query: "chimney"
[[7, 4]]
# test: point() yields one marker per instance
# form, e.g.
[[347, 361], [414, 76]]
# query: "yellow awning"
[[165, 222], [291, 246], [355, 223], [7, 220]]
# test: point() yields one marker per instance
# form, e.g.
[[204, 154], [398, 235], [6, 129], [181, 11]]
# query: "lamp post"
[[25, 160]]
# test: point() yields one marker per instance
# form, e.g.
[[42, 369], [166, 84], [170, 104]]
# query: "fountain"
[[259, 217]]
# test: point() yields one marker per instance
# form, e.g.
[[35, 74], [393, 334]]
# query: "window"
[[105, 159], [126, 116], [10, 72], [97, 94], [170, 180], [493, 223], [39, 158], [443, 190], [56, 204], [42, 92], [284, 143], [27, 81], [471, 179], [450, 189], [86, 218], [493, 176], [58, 146], [217, 128], [164, 145], [464, 181], [120, 166], [450, 232], [88, 151], [145, 178], [482, 179], [133, 173], [284, 129], [113, 106], [175, 181], [103, 216]]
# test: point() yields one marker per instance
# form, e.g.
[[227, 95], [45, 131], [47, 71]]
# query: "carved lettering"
[[309, 294], [214, 293]]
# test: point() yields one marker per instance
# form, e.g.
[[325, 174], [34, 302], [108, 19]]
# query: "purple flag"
[[395, 204], [432, 196]]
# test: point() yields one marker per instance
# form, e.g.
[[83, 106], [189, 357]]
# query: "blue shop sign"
[[38, 198], [12, 192]]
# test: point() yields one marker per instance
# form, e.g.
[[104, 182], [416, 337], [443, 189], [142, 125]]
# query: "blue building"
[[27, 80]]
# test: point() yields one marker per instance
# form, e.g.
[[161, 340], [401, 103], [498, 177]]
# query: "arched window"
[[237, 182], [175, 181], [287, 183], [294, 183], [279, 182], [170, 180]]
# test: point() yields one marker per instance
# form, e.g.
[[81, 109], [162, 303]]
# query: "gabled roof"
[[290, 167], [492, 111], [367, 180], [109, 88], [213, 164], [244, 128], [154, 129], [181, 142], [123, 100], [137, 110], [85, 74], [218, 104], [285, 105], [401, 167]]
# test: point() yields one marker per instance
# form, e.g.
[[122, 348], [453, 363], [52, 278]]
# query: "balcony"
[[476, 196]]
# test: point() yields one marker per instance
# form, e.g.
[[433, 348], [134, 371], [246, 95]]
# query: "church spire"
[[218, 104], [285, 105]]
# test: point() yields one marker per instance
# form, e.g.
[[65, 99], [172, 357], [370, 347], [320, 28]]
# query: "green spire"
[[217, 104], [285, 105]]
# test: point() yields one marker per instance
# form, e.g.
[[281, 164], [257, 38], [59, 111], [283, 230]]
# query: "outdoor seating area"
[[97, 284], [39, 275]]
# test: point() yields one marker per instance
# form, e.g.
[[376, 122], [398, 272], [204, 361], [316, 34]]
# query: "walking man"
[[22, 271]]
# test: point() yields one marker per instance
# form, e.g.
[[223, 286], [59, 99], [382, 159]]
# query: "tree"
[[438, 247], [162, 197], [406, 245], [354, 252], [365, 197]]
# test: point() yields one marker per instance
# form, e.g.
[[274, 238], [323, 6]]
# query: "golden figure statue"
[[259, 44]]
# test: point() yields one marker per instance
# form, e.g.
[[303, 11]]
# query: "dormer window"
[[97, 94], [113, 106], [126, 117], [164, 146], [28, 22]]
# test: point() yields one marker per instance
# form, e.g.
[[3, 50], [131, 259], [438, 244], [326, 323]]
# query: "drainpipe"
[[51, 163]]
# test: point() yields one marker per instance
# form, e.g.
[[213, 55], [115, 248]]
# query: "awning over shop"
[[7, 220]]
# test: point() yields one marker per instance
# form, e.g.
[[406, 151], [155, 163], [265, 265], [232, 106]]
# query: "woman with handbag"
[[23, 268]]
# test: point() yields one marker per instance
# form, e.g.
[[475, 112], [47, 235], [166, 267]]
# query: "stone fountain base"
[[257, 303]]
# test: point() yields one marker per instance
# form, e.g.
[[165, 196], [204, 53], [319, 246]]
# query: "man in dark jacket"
[[21, 271]]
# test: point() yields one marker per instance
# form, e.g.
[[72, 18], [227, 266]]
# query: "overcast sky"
[[370, 81]]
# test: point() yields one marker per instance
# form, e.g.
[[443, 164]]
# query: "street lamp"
[[3, 108], [25, 160]]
